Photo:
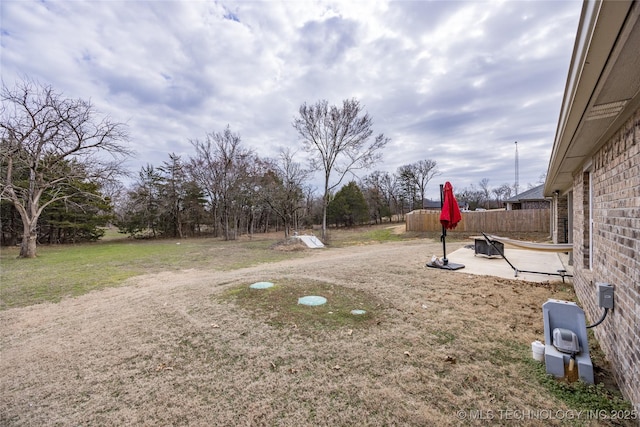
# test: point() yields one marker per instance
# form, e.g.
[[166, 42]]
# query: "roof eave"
[[604, 27]]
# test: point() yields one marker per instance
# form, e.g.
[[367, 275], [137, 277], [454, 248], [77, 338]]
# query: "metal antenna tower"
[[517, 170]]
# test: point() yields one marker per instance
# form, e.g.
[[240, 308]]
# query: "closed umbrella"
[[449, 218], [450, 215]]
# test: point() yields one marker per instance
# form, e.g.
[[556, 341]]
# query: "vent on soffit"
[[603, 111]]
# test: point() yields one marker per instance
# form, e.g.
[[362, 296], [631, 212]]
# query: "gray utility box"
[[567, 316], [483, 247], [605, 295]]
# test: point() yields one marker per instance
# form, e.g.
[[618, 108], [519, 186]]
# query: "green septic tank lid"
[[312, 300], [261, 285]]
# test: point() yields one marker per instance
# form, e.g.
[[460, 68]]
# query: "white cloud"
[[457, 82]]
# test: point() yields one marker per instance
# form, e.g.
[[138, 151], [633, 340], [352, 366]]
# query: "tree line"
[[61, 166], [61, 177]]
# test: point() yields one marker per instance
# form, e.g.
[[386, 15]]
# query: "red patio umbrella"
[[449, 218], [450, 215]]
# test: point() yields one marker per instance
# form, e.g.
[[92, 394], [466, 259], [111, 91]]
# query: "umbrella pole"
[[445, 261]]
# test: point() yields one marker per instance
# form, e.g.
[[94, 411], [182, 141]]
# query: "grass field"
[[71, 270], [168, 332]]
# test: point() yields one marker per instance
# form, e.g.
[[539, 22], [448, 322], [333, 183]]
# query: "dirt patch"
[[291, 244], [398, 229], [167, 349]]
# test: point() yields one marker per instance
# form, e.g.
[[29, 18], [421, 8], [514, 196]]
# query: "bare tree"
[[339, 139], [42, 134], [485, 191], [502, 193], [221, 167], [377, 195], [414, 179], [424, 171], [392, 190], [284, 189], [471, 196]]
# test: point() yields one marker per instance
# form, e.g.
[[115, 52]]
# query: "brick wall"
[[615, 209], [563, 220], [559, 233], [535, 204]]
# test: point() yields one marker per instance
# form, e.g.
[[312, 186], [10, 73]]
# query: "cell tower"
[[517, 170]]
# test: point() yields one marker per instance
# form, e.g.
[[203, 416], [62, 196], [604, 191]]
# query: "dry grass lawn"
[[196, 347]]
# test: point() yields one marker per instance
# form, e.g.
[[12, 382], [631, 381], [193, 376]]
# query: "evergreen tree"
[[349, 206]]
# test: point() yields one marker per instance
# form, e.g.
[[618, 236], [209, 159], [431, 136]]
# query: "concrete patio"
[[530, 260]]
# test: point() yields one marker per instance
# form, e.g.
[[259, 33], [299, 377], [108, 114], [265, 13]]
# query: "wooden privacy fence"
[[524, 220]]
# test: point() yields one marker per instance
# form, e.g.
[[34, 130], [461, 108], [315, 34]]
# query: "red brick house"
[[594, 177]]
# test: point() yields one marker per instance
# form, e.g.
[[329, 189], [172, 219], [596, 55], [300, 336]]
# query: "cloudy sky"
[[457, 82]]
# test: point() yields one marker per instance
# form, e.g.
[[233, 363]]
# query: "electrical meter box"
[[605, 295]]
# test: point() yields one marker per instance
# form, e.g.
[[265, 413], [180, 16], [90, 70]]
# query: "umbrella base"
[[448, 266]]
